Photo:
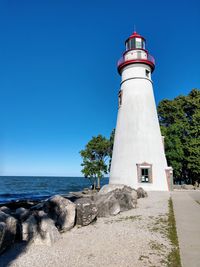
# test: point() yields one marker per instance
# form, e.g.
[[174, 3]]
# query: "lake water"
[[29, 187]]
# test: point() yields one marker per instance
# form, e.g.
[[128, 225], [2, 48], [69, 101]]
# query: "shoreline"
[[140, 236], [135, 237], [28, 203], [72, 196]]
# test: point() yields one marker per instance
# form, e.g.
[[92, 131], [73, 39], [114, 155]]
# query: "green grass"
[[127, 218], [132, 218], [160, 224], [156, 246], [174, 259], [166, 225]]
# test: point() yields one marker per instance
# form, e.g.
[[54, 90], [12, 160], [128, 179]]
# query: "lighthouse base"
[[146, 187], [147, 176]]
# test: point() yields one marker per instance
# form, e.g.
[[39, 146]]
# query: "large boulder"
[[3, 243], [5, 209], [107, 205], [40, 229], [109, 188], [86, 211], [8, 229], [141, 193], [127, 198], [62, 211], [38, 206], [188, 186], [112, 199], [29, 228], [22, 214], [47, 233]]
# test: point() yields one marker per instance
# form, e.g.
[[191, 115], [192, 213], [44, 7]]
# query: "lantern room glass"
[[135, 43]]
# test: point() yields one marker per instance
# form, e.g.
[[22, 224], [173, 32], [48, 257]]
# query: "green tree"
[[95, 159], [111, 143], [180, 124]]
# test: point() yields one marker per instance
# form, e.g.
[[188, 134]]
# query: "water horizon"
[[15, 188]]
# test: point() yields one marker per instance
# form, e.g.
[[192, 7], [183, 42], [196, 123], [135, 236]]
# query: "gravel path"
[[133, 238]]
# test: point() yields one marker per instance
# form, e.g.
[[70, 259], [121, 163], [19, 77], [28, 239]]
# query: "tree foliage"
[[180, 124], [95, 159], [111, 143]]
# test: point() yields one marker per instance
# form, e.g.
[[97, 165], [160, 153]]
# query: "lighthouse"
[[138, 158]]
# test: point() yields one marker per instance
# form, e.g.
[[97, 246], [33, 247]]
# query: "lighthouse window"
[[132, 43], [144, 175], [120, 99], [148, 73], [144, 171], [138, 42], [143, 44]]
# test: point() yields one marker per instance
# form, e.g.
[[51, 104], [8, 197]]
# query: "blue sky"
[[58, 77]]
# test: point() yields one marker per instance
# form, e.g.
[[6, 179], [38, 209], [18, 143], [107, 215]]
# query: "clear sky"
[[58, 77]]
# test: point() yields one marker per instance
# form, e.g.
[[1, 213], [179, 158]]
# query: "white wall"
[[138, 138]]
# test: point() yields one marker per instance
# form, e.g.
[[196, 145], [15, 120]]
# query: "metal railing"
[[137, 58]]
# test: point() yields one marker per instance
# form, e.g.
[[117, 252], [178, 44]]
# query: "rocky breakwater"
[[42, 224]]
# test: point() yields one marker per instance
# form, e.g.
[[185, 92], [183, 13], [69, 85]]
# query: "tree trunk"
[[98, 183], [94, 185]]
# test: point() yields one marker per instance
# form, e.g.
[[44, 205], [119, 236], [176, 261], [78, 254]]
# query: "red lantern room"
[[135, 53]]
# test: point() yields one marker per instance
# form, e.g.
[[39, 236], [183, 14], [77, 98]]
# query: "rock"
[[8, 229], [13, 205], [5, 209], [86, 211], [40, 229], [22, 214], [188, 186], [110, 187], [47, 233], [112, 199], [177, 186], [107, 205], [127, 198], [39, 206], [29, 228], [62, 211], [3, 231], [141, 193]]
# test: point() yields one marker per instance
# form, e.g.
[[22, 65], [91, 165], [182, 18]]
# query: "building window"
[[147, 73], [144, 175], [144, 171], [120, 98], [138, 42]]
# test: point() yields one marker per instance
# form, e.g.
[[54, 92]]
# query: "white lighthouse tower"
[[138, 154]]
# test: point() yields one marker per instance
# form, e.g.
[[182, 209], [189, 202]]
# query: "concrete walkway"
[[187, 214]]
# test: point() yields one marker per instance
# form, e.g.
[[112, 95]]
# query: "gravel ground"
[[133, 238]]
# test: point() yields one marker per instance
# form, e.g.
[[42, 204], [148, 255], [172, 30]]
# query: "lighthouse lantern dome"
[[135, 53], [135, 41]]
